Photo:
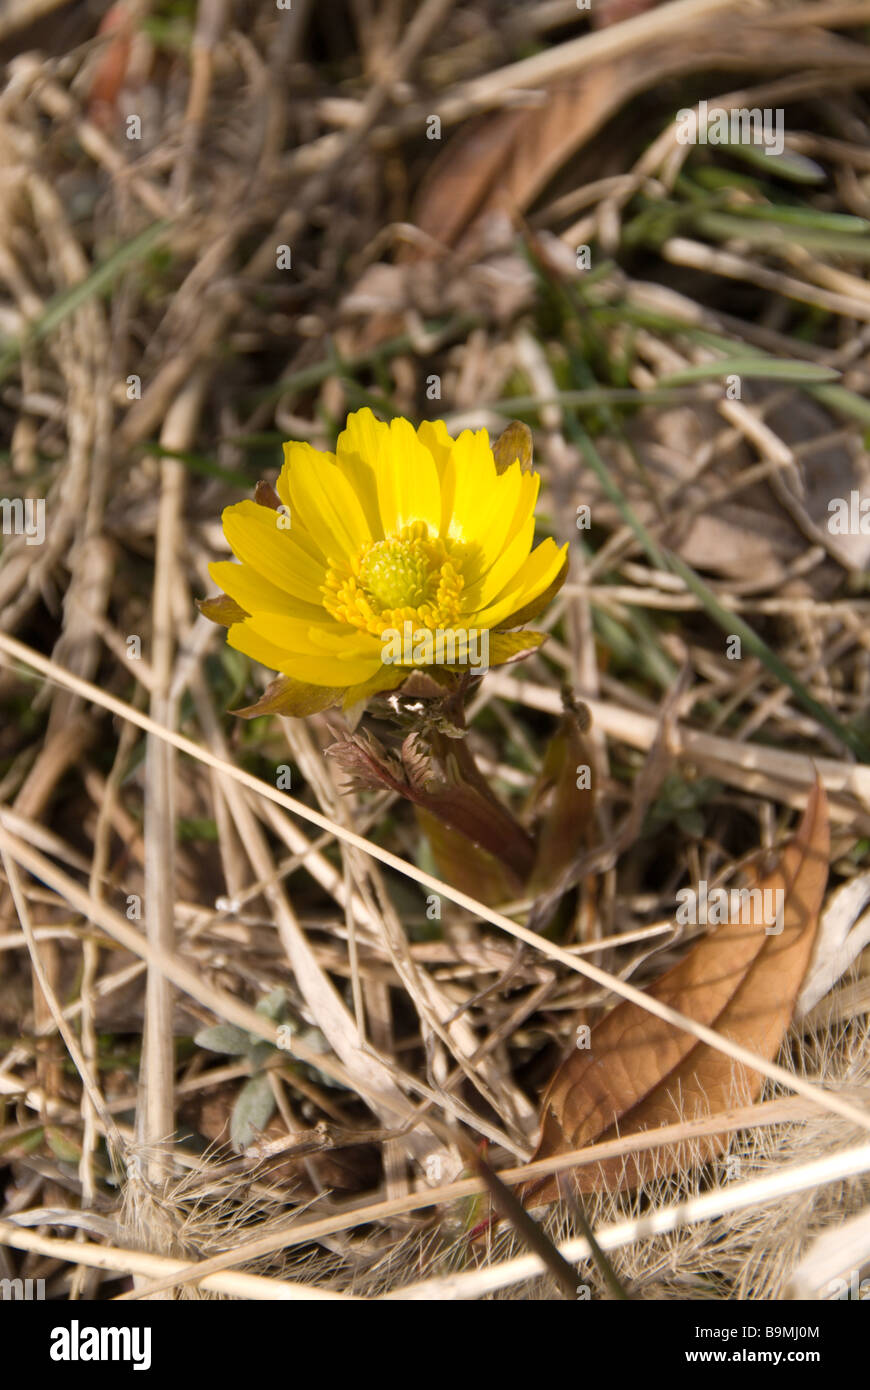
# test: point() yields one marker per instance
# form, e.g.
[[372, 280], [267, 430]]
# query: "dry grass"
[[152, 359]]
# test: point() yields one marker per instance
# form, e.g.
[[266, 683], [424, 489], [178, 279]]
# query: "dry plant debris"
[[256, 1001]]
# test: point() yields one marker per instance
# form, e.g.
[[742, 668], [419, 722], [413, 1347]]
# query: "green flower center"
[[410, 577], [398, 574]]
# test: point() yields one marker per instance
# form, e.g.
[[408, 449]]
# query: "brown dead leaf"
[[641, 1072], [513, 444], [266, 496], [501, 163]]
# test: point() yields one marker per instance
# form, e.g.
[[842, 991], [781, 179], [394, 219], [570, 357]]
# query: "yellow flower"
[[404, 549]]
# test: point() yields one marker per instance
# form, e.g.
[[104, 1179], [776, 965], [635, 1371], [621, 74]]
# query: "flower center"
[[398, 574], [407, 577]]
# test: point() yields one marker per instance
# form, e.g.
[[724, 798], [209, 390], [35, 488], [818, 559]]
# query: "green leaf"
[[61, 1146], [844, 401], [259, 1053], [224, 1037], [23, 1141], [273, 1005], [196, 828], [802, 217], [797, 168], [725, 226], [769, 368], [254, 1108], [681, 802]]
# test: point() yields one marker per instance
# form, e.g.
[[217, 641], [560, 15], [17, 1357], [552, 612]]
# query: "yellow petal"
[[293, 635], [433, 435], [320, 669], [356, 454], [282, 487], [362, 437], [530, 610], [256, 539], [500, 519], [344, 641], [500, 574], [469, 478], [408, 487], [257, 648], [257, 595], [323, 504], [382, 480], [387, 678], [533, 577]]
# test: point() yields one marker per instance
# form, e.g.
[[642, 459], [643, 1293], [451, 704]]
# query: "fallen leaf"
[[501, 163], [641, 1072]]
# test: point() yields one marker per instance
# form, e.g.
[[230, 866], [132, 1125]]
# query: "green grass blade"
[[752, 365], [98, 282]]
